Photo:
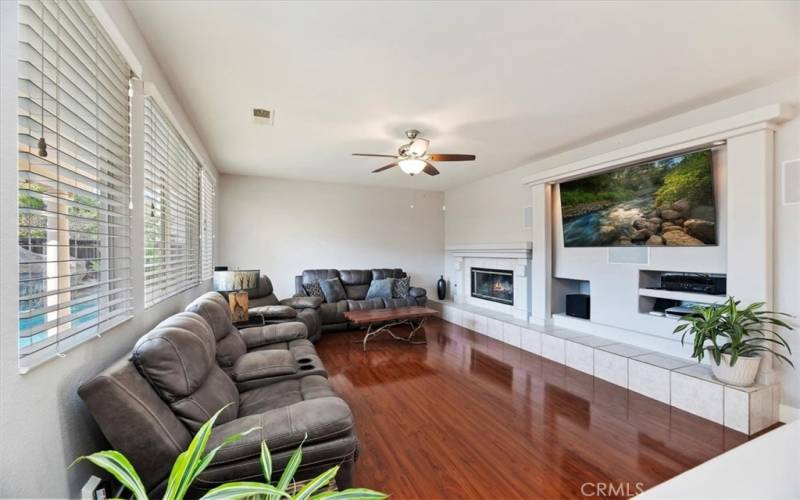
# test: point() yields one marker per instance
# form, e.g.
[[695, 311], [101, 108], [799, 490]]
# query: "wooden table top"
[[367, 316]]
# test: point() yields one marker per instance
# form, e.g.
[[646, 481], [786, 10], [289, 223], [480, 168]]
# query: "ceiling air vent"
[[265, 116]]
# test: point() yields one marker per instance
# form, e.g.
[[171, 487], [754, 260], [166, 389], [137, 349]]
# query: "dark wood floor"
[[466, 416]]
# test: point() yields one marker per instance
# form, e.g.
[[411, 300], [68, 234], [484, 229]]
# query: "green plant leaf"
[[315, 484], [350, 494], [291, 467], [116, 464], [185, 469], [266, 461], [243, 489]]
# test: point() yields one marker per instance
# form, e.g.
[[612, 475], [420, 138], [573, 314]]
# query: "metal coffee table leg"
[[387, 327]]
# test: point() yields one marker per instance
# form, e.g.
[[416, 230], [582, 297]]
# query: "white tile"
[[649, 380], [512, 335], [592, 341], [611, 367], [761, 408], [531, 341], [625, 350], [579, 357], [697, 396], [480, 324], [495, 329], [664, 361], [737, 410], [468, 320], [553, 348]]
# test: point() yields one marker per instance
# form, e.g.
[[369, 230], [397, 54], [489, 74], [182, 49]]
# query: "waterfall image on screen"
[[666, 202]]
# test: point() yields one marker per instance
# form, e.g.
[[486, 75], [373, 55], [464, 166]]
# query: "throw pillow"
[[380, 289], [400, 287], [333, 290], [313, 289]]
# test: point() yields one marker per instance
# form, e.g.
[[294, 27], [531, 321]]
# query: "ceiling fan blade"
[[449, 157], [379, 156], [430, 169], [385, 167]]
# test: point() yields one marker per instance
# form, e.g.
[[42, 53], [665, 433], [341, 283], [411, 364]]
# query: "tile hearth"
[[681, 383]]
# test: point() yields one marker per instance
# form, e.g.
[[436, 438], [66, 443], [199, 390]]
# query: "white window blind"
[[73, 179], [207, 205], [174, 217]]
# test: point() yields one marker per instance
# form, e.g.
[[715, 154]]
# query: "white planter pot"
[[742, 374]]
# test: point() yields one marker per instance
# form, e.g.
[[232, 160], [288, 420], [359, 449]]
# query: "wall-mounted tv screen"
[[669, 202]]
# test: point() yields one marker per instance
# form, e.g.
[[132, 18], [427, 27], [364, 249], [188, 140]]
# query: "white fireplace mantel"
[[515, 257]]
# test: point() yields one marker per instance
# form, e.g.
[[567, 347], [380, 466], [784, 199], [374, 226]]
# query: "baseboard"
[[788, 414]]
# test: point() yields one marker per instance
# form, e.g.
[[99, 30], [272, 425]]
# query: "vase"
[[742, 374], [441, 288]]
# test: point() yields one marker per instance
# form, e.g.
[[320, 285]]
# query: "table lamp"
[[236, 283]]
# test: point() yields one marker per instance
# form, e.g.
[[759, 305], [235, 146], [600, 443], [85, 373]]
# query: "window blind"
[[73, 179], [172, 194], [207, 206]]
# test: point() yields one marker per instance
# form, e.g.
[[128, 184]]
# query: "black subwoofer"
[[578, 305]]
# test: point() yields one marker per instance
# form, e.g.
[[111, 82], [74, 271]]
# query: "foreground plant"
[[726, 329], [194, 460]]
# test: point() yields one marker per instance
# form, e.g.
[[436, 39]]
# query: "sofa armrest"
[[263, 364], [303, 302], [274, 312], [258, 336], [417, 292]]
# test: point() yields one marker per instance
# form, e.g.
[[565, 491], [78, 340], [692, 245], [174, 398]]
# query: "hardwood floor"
[[466, 416]]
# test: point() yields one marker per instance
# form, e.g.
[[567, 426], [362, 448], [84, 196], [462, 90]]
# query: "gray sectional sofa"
[[265, 304], [150, 403], [356, 283]]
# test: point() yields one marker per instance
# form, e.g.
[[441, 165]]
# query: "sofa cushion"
[[332, 290], [400, 287], [262, 364], [313, 289], [404, 302], [178, 359], [333, 313], [313, 275], [303, 302], [284, 393], [361, 305], [273, 312], [380, 289], [356, 292], [379, 274], [356, 276]]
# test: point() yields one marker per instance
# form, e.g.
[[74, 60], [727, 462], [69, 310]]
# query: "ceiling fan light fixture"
[[418, 147], [411, 166]]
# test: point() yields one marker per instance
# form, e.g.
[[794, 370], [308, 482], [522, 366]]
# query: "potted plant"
[[194, 460], [734, 338]]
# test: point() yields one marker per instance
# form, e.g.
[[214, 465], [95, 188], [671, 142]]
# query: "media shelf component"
[[673, 294]]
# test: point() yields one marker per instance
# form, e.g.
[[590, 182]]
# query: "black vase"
[[441, 288]]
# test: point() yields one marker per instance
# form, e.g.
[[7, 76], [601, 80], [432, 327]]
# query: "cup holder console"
[[304, 361], [306, 367]]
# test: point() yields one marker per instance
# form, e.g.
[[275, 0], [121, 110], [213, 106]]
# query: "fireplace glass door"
[[493, 284]]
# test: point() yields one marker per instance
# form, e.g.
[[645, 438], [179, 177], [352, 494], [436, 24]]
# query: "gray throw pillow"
[[400, 287], [313, 289], [333, 290], [380, 289]]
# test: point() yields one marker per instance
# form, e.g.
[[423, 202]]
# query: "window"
[[179, 204], [73, 179]]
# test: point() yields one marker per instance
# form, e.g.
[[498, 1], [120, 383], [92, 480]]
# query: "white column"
[[541, 257], [749, 229]]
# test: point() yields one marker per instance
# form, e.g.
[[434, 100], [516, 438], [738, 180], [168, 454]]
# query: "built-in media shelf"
[[567, 286], [653, 298]]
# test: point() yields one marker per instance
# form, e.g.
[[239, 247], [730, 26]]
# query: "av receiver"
[[696, 283]]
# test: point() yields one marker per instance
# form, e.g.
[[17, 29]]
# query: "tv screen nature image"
[[663, 202]]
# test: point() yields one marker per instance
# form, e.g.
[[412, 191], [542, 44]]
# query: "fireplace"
[[493, 284]]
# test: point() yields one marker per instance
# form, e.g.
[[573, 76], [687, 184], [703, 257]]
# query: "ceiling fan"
[[413, 158]]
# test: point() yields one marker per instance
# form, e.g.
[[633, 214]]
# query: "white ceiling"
[[508, 82]]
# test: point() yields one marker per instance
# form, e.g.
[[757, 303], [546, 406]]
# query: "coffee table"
[[378, 321]]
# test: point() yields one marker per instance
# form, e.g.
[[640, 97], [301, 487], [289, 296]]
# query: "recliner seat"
[[265, 304], [150, 405]]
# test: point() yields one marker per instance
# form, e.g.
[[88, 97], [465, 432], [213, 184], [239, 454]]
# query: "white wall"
[[468, 221], [282, 227], [44, 426]]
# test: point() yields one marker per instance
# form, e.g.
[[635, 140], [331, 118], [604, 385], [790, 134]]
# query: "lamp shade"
[[235, 281]]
